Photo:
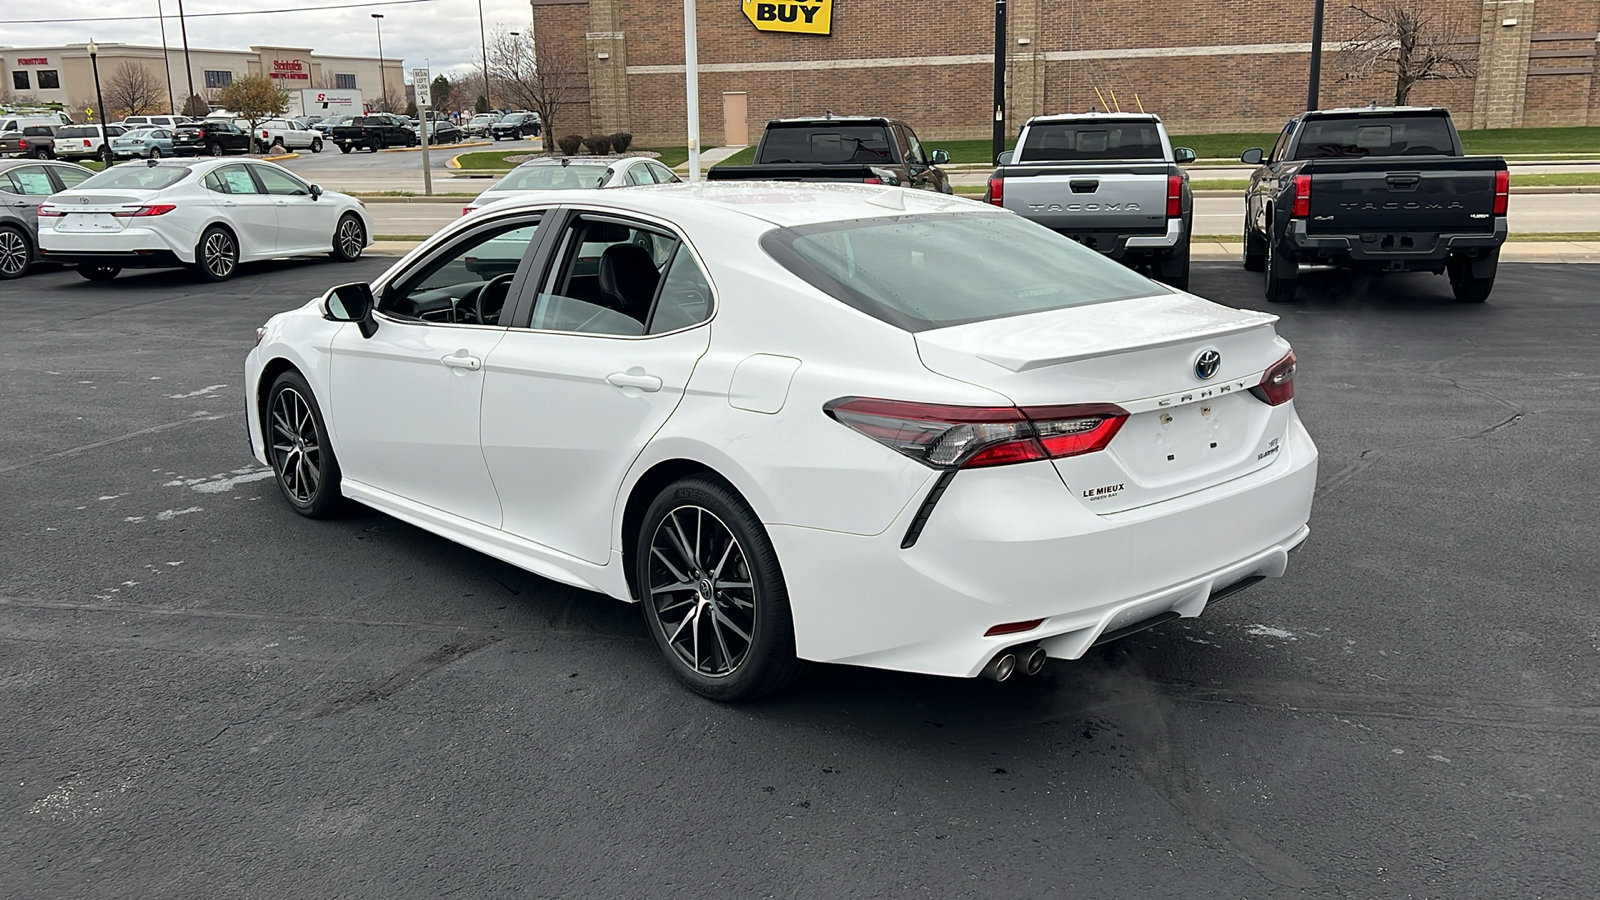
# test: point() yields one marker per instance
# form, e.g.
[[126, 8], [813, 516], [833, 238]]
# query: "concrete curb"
[[445, 147], [283, 156]]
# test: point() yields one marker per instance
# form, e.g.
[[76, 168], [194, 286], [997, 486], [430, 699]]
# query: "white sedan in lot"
[[208, 214], [574, 173], [802, 422]]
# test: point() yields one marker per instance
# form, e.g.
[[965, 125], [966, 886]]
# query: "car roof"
[[1094, 116], [834, 120], [1373, 111], [781, 203]]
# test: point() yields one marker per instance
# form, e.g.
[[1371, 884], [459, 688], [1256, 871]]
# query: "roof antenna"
[[889, 198]]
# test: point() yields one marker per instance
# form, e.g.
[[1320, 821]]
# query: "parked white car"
[[287, 133], [571, 173], [154, 121], [802, 422], [208, 214], [75, 142]]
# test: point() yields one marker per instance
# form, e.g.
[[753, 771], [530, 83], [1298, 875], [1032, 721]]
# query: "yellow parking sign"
[[800, 16]]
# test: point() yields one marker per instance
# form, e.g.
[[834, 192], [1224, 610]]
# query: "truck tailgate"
[[1094, 197], [1394, 194]]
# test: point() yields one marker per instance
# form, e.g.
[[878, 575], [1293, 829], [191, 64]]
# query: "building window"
[[49, 79], [19, 80], [218, 79], [342, 82]]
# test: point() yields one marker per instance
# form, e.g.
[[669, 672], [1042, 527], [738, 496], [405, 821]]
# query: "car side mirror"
[[316, 191], [1006, 156], [1183, 155], [351, 303], [940, 157], [1252, 156]]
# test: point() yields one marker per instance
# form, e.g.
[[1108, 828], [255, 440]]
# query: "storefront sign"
[[798, 16], [33, 61], [289, 70]]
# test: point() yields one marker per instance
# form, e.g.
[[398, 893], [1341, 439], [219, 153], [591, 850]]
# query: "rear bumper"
[[1407, 250], [131, 248], [1130, 246], [1009, 544]]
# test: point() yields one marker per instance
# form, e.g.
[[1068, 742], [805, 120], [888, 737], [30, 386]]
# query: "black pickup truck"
[[1383, 189], [864, 150], [374, 131]]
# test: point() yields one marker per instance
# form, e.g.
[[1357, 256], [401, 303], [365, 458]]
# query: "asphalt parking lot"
[[207, 696]]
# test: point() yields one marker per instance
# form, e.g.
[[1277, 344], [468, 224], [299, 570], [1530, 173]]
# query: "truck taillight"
[[1302, 196], [997, 190], [972, 437], [872, 179], [1502, 192], [1277, 383], [1174, 196]]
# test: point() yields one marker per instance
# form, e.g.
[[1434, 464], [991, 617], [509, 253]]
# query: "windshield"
[[138, 134], [826, 144], [932, 271], [135, 177], [552, 178], [1062, 141], [1356, 137]]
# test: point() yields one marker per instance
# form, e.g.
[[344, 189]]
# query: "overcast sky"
[[442, 34]]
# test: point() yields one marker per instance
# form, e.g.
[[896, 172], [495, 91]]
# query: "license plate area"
[[88, 222]]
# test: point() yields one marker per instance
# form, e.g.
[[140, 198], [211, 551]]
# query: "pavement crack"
[[1414, 705], [84, 448], [406, 677]]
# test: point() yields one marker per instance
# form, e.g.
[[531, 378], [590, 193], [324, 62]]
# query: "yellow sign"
[[800, 16]]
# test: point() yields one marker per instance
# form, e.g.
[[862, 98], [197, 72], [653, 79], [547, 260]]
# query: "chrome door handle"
[[470, 363], [634, 380]]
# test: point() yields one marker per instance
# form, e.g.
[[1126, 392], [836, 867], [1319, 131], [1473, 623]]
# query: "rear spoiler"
[[803, 172]]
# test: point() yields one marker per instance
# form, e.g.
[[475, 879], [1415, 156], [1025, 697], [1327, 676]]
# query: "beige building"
[[64, 74]]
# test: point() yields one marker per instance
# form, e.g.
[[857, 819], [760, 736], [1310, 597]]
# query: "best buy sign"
[[803, 16]]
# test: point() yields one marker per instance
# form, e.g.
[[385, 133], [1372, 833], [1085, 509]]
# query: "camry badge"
[[1207, 364]]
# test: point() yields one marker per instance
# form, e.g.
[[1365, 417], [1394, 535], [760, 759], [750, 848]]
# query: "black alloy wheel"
[[345, 148], [303, 463], [217, 255], [1255, 251], [99, 273], [713, 593], [349, 239], [1281, 274], [213, 149], [1467, 287], [16, 254]]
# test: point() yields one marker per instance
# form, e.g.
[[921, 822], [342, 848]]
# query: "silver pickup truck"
[[1110, 181]]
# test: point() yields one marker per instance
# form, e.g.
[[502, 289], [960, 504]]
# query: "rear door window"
[[27, 180], [606, 278]]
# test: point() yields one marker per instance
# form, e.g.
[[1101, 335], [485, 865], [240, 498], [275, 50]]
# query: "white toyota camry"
[[802, 422], [208, 214]]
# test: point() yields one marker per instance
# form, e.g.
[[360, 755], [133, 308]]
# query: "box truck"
[[319, 102]]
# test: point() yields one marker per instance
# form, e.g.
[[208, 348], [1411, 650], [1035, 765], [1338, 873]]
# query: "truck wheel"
[[1281, 274], [316, 145], [345, 148], [1472, 283], [1174, 269], [1255, 251]]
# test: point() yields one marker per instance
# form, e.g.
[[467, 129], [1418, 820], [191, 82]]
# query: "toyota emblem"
[[1207, 364]]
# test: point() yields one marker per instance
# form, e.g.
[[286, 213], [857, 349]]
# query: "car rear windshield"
[[552, 178], [1358, 136], [920, 272], [78, 131], [826, 144], [1065, 141], [136, 177], [38, 130]]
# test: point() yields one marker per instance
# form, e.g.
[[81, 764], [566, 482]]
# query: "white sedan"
[[574, 173], [802, 422], [208, 214]]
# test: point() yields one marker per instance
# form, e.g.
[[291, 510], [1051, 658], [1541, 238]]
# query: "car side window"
[[663, 174], [236, 180], [28, 180], [70, 176], [915, 146], [641, 174], [1282, 146], [685, 295], [282, 184], [467, 284], [605, 278]]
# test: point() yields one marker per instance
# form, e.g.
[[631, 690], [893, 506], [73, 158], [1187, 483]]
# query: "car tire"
[[41, 154], [213, 149], [316, 145], [99, 273], [349, 238], [1281, 274], [155, 152], [1467, 287], [345, 148], [1255, 251], [16, 253], [707, 607], [216, 257], [303, 462]]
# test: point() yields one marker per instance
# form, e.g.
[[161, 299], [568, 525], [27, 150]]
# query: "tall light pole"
[[383, 83], [998, 141], [1316, 56], [99, 99], [188, 67], [483, 44], [166, 57], [691, 79]]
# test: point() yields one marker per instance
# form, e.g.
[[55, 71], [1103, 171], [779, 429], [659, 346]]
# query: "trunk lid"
[[1090, 197], [92, 211], [1183, 433], [1397, 194]]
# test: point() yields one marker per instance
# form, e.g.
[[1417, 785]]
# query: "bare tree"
[[1418, 40], [543, 76], [133, 91]]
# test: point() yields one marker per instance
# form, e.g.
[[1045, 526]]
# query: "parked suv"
[[154, 121], [212, 137], [75, 142], [516, 125], [478, 126]]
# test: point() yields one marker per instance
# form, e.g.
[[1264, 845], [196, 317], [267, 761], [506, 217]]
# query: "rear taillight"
[[50, 212], [1277, 383], [1502, 192], [22, 144], [154, 209], [1174, 196], [971, 437], [1302, 196], [872, 179], [997, 190]]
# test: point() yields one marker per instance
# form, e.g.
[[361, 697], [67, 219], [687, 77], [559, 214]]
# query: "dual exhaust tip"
[[1023, 660]]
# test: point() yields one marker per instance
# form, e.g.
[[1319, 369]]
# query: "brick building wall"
[[1204, 66]]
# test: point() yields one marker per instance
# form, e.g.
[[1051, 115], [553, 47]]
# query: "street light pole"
[[691, 78], [188, 67], [999, 138], [483, 44], [383, 83], [1316, 56], [99, 99], [165, 56]]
